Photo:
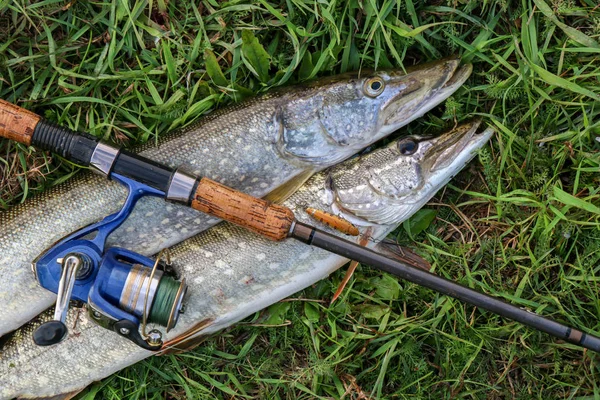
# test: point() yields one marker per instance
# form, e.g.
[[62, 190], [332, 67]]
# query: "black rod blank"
[[337, 245]]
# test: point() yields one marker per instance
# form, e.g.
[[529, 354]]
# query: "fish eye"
[[408, 147], [374, 86]]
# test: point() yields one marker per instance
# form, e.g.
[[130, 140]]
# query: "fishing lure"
[[333, 221]]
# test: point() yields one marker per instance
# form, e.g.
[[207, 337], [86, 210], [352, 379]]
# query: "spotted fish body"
[[231, 274], [256, 147]]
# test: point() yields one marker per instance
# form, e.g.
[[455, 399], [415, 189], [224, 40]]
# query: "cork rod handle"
[[270, 220], [17, 123]]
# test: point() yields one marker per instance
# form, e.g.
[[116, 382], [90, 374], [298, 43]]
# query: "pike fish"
[[233, 273], [268, 145]]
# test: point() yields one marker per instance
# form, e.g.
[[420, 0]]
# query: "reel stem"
[[55, 331]]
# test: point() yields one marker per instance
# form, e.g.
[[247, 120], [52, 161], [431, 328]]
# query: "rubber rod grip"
[[77, 147], [17, 123], [261, 216]]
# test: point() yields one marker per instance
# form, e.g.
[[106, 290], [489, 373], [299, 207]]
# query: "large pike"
[[269, 145], [233, 273]]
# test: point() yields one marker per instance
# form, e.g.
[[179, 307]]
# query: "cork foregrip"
[[263, 217], [16, 123]]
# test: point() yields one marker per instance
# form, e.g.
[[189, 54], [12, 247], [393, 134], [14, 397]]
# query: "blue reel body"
[[111, 279], [102, 276]]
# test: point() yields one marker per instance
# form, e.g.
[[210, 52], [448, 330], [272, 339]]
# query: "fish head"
[[390, 184], [414, 92], [336, 117]]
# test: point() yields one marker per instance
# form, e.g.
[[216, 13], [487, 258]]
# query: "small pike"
[[233, 273]]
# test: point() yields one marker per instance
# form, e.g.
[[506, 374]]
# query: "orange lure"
[[333, 221]]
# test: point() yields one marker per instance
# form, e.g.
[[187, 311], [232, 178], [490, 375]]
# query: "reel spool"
[[123, 289], [131, 291]]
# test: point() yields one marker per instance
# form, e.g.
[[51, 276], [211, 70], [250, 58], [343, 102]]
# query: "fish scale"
[[240, 146], [231, 274]]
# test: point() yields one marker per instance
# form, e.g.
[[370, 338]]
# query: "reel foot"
[[130, 331]]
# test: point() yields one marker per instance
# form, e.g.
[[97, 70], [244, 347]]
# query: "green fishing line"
[[165, 296]]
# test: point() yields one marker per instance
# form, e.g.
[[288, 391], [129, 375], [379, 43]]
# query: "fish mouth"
[[460, 147], [422, 88], [446, 148]]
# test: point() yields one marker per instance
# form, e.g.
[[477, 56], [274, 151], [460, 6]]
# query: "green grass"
[[521, 223]]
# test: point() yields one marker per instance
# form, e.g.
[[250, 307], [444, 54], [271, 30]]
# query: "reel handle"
[[261, 216], [53, 332]]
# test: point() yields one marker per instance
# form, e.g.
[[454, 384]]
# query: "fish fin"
[[390, 248], [186, 345], [282, 193], [349, 273], [364, 240], [279, 129], [64, 396], [187, 340]]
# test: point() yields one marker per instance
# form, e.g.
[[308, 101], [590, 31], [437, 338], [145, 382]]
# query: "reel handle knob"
[[53, 332], [49, 333]]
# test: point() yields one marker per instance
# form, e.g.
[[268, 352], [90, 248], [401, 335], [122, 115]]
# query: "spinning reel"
[[122, 289]]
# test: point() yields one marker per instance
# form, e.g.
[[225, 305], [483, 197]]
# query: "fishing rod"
[[60, 269]]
